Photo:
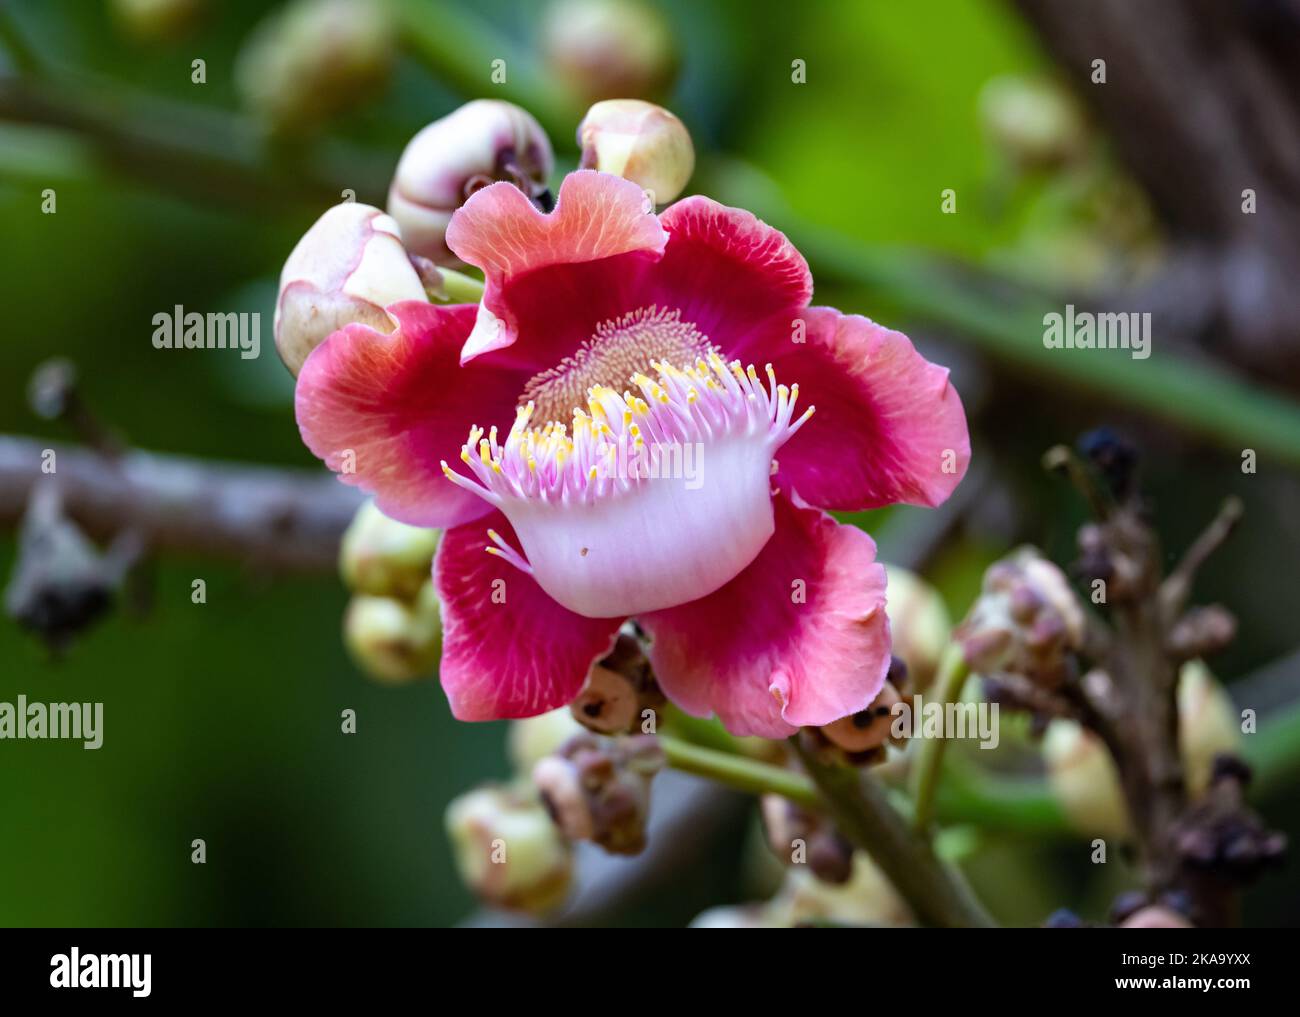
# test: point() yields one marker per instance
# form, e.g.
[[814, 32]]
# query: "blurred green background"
[[222, 720]]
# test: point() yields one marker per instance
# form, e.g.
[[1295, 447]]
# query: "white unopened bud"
[[507, 849], [482, 142], [385, 558], [347, 268], [394, 641], [600, 49], [641, 142]]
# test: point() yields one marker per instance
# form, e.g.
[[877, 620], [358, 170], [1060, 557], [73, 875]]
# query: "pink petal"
[[889, 426], [383, 410], [767, 654], [597, 216], [727, 271], [508, 649]]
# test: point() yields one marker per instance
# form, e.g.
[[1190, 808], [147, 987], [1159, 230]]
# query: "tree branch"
[[274, 519]]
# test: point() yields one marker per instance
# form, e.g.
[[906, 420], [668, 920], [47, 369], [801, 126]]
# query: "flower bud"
[[1208, 724], [481, 142], [1035, 122], [151, 20], [391, 640], [314, 59], [384, 558], [1026, 620], [919, 623], [1084, 780], [347, 268], [641, 142], [532, 739], [600, 49], [598, 789], [868, 729], [618, 692], [798, 836], [750, 916], [1156, 916], [866, 897], [508, 851], [1083, 774]]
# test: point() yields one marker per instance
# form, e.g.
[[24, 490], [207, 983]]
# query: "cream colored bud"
[[868, 898], [347, 268], [481, 142], [1084, 780], [385, 558], [534, 738], [1034, 121], [919, 623], [1083, 774], [313, 59], [1208, 724], [507, 849], [600, 49], [641, 142], [394, 641]]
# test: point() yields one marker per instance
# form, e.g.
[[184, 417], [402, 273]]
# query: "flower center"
[[651, 498], [620, 348]]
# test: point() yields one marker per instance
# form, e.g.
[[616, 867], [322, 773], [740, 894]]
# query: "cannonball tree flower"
[[609, 335]]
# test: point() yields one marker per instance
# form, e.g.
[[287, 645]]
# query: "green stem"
[[929, 759], [936, 891], [740, 772], [460, 288]]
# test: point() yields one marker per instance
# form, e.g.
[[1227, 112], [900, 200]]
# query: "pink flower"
[[609, 336]]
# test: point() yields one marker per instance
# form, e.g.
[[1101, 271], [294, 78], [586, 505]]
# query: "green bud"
[[157, 20], [384, 558], [393, 641]]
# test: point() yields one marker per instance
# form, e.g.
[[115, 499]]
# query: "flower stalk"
[[953, 673], [858, 803]]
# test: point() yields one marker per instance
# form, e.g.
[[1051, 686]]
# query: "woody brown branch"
[[279, 520]]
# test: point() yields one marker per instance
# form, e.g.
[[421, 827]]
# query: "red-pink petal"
[[596, 216], [799, 638], [383, 410], [508, 649], [889, 427], [726, 270]]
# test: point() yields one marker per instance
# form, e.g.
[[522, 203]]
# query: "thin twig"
[[1177, 587]]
